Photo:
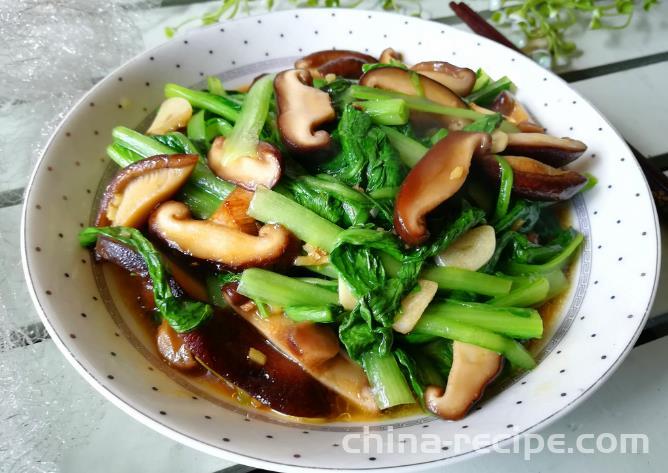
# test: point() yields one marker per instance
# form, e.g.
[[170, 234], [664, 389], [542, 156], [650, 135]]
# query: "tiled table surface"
[[624, 77]]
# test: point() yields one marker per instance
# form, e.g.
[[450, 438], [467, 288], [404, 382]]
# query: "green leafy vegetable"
[[366, 158], [505, 189], [320, 314], [486, 95], [339, 93], [182, 315], [486, 124]]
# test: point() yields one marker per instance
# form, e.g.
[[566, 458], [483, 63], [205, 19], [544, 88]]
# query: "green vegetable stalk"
[[530, 294], [512, 322], [245, 136], [268, 206], [457, 279], [435, 324], [505, 189], [388, 383], [182, 315], [385, 112], [410, 151], [216, 104], [283, 291]]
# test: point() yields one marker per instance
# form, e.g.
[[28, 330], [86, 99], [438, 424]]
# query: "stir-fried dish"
[[353, 233]]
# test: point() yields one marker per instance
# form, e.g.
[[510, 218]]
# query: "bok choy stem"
[[245, 136], [457, 279], [320, 314], [268, 206], [277, 289], [435, 324], [527, 295], [505, 188], [385, 112], [512, 322], [388, 383], [410, 151], [213, 103]]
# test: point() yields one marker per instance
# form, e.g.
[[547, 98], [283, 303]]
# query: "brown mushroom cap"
[[435, 178], [473, 368], [458, 79], [247, 171], [301, 110], [209, 241], [556, 152], [233, 212], [137, 189], [535, 180], [388, 55], [403, 81], [173, 350], [507, 105], [335, 61]]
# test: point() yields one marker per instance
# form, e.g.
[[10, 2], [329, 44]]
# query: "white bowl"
[[614, 282]]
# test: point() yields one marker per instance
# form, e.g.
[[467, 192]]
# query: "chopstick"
[[657, 180], [479, 25]]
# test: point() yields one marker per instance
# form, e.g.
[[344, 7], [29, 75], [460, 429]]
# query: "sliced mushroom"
[[174, 113], [535, 180], [207, 240], [233, 212], [137, 189], [556, 152], [458, 79], [412, 83], [301, 110], [511, 108], [435, 178], [247, 171], [222, 346], [173, 350], [335, 61], [312, 344], [313, 347], [388, 55], [473, 368]]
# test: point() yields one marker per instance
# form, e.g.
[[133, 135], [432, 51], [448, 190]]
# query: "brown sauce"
[[137, 299]]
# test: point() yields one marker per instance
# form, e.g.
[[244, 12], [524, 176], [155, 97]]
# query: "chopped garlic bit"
[[457, 173], [314, 256], [257, 356]]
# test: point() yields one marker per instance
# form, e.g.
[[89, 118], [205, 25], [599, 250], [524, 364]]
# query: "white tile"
[[636, 102]]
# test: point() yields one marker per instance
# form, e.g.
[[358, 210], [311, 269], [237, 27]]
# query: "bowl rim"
[[257, 462]]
